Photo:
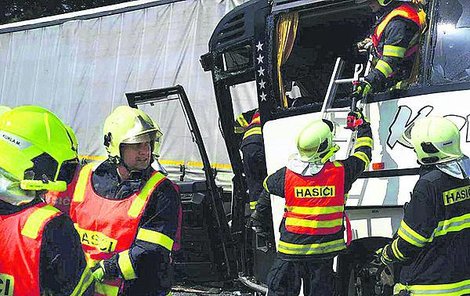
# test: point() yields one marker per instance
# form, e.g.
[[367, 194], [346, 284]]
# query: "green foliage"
[[20, 10]]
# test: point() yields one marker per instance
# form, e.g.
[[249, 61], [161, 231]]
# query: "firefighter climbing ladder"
[[330, 113]]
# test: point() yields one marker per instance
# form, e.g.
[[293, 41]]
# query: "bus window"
[[451, 60], [307, 47], [238, 58]]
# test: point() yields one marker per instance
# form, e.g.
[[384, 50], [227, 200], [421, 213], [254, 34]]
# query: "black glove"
[[361, 89], [386, 268], [365, 45], [258, 223], [379, 263], [383, 255]]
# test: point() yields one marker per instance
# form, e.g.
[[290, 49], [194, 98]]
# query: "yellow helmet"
[[126, 125], [434, 139], [73, 137], [315, 142], [36, 148]]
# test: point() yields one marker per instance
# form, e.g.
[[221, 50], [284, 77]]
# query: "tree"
[[20, 10]]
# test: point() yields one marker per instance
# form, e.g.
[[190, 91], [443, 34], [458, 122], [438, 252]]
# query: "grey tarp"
[[80, 66]]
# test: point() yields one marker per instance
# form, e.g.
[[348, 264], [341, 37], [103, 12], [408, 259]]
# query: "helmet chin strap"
[[130, 172], [329, 154]]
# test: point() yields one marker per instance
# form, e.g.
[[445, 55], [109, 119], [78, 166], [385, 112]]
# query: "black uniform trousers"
[[285, 277], [254, 165]]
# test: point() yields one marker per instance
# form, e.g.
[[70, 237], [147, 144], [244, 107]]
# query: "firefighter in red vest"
[[126, 212], [252, 147], [41, 252], [313, 225], [394, 43]]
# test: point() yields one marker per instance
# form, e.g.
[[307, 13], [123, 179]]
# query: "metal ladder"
[[328, 112]]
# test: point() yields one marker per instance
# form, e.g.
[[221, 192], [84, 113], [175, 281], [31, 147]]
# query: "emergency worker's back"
[[446, 204]]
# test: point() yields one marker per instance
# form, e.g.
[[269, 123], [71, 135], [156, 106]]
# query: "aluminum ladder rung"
[[347, 80], [337, 110]]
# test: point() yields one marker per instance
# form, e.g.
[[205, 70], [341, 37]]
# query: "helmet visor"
[[67, 170], [142, 138]]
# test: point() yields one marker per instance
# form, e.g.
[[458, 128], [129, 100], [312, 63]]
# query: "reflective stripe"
[[405, 12], [105, 289], [139, 202], [125, 265], [364, 142], [314, 210], [79, 193], [383, 253], [362, 156], [265, 184], [36, 220], [399, 255], [313, 223], [155, 237], [402, 84], [253, 204], [311, 249], [411, 236], [337, 164], [238, 130], [452, 225], [384, 68], [394, 51], [252, 131], [85, 281], [242, 121], [453, 289]]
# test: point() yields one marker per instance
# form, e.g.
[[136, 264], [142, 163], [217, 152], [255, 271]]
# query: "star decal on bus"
[[259, 46]]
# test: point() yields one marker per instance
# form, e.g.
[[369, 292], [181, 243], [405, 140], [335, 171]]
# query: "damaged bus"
[[294, 60]]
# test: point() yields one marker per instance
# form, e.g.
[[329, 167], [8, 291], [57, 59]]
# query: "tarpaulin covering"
[[81, 65]]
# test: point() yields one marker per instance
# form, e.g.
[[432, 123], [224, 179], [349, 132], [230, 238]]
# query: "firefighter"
[[315, 190], [126, 212], [41, 252], [252, 147], [432, 242], [394, 44]]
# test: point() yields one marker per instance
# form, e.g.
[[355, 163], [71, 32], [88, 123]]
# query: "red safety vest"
[[107, 227], [315, 204], [20, 240], [406, 11]]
